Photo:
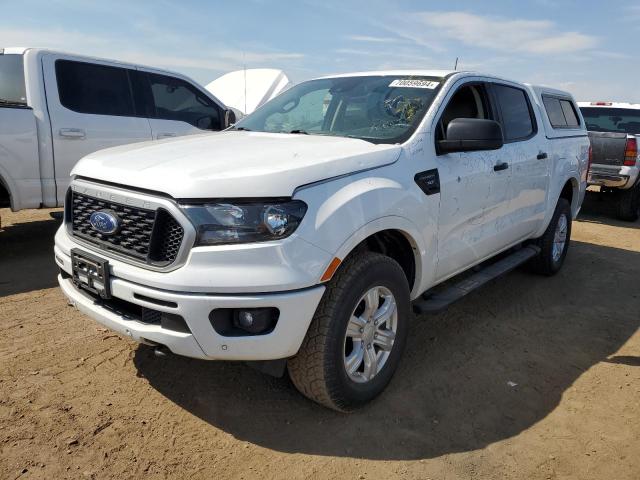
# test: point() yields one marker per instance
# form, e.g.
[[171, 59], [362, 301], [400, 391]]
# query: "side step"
[[439, 301]]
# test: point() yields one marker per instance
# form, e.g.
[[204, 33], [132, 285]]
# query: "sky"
[[587, 47]]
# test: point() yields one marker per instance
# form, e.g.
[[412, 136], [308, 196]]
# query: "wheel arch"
[[395, 237], [569, 190], [7, 198]]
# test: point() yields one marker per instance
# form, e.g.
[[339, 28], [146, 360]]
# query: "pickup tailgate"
[[608, 147]]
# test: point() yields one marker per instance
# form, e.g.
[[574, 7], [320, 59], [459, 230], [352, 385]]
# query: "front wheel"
[[554, 243], [357, 335]]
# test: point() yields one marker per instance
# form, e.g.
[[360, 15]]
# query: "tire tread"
[[310, 370]]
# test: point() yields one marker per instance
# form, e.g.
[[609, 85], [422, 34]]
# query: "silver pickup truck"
[[613, 130]]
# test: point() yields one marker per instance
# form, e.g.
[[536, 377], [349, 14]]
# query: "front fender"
[[344, 212]]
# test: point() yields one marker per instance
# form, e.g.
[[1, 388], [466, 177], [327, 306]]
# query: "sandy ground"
[[77, 401]]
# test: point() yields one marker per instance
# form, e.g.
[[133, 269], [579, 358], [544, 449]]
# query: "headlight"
[[240, 222]]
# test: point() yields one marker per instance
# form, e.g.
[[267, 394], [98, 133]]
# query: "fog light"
[[256, 320], [242, 322], [245, 319]]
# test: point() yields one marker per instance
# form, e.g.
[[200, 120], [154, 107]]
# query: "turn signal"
[[331, 269]]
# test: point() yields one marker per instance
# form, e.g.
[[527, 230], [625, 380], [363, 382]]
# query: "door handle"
[[500, 166], [77, 133], [166, 135], [542, 156]]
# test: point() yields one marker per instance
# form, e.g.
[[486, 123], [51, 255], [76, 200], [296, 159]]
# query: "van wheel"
[[628, 204], [554, 243], [356, 338]]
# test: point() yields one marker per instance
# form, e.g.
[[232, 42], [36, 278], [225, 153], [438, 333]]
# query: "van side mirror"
[[229, 118], [471, 134]]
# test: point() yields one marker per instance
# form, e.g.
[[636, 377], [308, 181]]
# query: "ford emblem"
[[105, 222]]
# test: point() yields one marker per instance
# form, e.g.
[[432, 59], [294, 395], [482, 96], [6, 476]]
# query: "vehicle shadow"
[[490, 367], [26, 257], [599, 208]]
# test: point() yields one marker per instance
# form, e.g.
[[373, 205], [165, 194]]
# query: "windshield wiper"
[[241, 129], [299, 131]]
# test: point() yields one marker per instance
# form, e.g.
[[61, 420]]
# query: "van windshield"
[[12, 88], [379, 109], [622, 120]]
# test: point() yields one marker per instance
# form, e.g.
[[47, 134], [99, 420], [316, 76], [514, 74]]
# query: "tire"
[[319, 369], [628, 204], [549, 261]]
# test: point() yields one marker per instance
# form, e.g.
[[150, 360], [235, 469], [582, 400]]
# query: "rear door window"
[[94, 89], [12, 88], [175, 99], [517, 118]]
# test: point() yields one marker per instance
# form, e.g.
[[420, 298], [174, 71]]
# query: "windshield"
[[622, 120], [379, 109], [12, 89]]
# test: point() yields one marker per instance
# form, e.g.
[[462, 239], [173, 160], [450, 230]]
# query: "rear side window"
[[517, 121], [561, 112], [569, 114], [175, 99], [94, 89], [12, 89]]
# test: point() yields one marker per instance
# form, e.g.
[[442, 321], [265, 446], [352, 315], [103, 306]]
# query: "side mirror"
[[471, 134], [229, 118]]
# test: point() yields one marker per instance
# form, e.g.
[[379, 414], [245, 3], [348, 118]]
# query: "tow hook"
[[161, 351]]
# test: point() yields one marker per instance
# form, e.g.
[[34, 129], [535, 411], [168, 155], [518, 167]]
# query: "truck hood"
[[234, 164]]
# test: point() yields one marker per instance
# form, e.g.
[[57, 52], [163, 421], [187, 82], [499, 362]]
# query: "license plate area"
[[90, 273]]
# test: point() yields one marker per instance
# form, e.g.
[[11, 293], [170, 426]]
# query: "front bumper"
[[202, 341]]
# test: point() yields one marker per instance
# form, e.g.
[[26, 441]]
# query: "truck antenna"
[[245, 82]]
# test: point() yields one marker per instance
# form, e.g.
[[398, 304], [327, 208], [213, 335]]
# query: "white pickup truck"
[[303, 236], [55, 108]]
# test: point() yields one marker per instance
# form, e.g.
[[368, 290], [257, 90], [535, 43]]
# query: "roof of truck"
[[445, 73], [600, 104], [421, 73]]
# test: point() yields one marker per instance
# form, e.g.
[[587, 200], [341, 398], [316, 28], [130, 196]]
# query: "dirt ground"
[[530, 378]]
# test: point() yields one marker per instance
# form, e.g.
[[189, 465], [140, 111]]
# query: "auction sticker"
[[414, 83]]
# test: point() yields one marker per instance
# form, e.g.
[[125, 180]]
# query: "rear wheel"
[[357, 335], [554, 243], [628, 204]]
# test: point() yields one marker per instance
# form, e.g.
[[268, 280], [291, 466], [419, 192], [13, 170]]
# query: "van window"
[[561, 112], [517, 122], [94, 89], [12, 89], [175, 99]]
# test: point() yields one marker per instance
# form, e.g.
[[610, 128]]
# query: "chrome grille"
[[151, 236]]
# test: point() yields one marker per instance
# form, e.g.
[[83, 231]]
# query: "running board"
[[439, 301]]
